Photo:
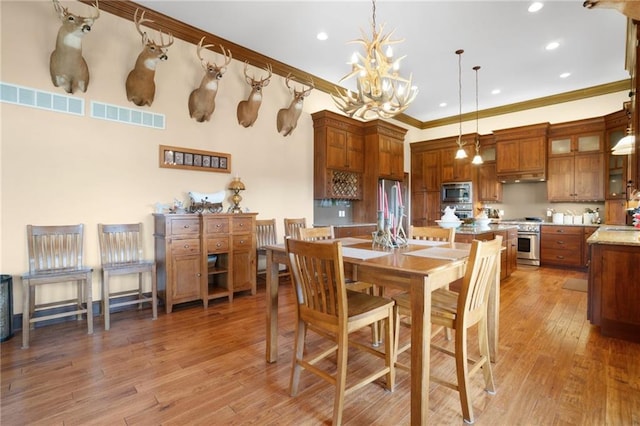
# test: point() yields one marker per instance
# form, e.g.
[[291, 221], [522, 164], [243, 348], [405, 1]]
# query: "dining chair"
[[432, 233], [326, 307], [266, 235], [316, 234], [121, 254], [461, 311], [55, 256], [291, 227]]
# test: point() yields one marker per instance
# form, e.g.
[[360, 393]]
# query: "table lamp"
[[236, 186]]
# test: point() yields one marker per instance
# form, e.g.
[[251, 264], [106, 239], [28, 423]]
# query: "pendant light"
[[461, 153], [626, 145], [477, 159]]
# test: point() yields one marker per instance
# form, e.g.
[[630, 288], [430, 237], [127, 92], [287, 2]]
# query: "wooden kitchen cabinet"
[[509, 256], [576, 161], [391, 158], [489, 188], [353, 231], [338, 156], [561, 245], [425, 208], [453, 170], [521, 153], [615, 212], [586, 233], [203, 257], [425, 171]]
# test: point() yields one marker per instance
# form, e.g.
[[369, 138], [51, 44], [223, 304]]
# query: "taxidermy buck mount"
[[140, 85], [288, 117], [630, 9], [202, 101], [68, 68], [248, 110]]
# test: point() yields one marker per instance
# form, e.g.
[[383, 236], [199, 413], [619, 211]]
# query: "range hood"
[[522, 178]]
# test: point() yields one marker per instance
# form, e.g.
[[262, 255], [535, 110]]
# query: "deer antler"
[[251, 80], [226, 53], [142, 20], [64, 11], [303, 92]]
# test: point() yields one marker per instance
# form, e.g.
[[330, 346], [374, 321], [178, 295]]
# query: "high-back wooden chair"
[[461, 311], [121, 254], [432, 233], [55, 256], [291, 227], [266, 235], [317, 233], [325, 306]]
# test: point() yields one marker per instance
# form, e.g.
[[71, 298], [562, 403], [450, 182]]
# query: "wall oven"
[[456, 193]]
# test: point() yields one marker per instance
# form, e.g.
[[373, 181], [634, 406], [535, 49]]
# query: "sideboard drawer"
[[218, 245], [242, 224], [186, 246], [186, 227], [216, 225], [242, 242]]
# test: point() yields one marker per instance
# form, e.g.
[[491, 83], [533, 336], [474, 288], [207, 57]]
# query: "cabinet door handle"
[[218, 225], [560, 242], [218, 245], [186, 226], [198, 274], [186, 246], [560, 257], [241, 225]]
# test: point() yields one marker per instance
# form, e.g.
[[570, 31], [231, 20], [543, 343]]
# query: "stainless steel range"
[[528, 239]]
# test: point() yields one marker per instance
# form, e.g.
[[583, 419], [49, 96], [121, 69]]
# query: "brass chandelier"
[[382, 92]]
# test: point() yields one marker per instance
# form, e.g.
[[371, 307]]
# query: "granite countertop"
[[616, 235], [569, 224], [477, 230]]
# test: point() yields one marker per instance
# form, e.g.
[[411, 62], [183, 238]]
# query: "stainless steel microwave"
[[456, 192]]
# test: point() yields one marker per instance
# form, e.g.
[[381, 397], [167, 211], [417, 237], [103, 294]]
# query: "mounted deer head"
[[248, 110], [68, 68], [202, 101], [288, 117], [141, 88], [630, 9]]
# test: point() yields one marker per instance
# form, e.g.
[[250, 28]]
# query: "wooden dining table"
[[419, 268]]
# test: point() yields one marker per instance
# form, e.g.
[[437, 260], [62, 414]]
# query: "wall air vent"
[[125, 115], [35, 98]]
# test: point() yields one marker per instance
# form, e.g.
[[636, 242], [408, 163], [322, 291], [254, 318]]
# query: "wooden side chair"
[[461, 311], [325, 306], [291, 227], [121, 254], [432, 233], [55, 256], [317, 233], [266, 235]]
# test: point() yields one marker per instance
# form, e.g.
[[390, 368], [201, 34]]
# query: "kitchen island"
[[614, 284], [509, 233]]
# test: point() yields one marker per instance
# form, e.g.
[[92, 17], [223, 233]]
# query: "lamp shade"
[[236, 185], [625, 146]]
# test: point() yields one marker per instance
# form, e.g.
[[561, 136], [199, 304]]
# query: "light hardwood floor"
[[198, 366]]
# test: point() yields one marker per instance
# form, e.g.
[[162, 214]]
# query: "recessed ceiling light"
[[443, 104], [552, 46], [495, 91], [322, 36], [535, 6], [565, 74]]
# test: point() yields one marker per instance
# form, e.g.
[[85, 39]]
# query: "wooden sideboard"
[[204, 256]]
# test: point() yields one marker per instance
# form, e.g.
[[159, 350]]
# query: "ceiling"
[[502, 37]]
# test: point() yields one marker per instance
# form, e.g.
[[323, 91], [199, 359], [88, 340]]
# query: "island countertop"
[[616, 235]]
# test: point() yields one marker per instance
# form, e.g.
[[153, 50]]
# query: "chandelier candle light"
[[382, 92], [461, 153]]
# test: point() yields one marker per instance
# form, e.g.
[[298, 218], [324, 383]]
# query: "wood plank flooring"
[[198, 366]]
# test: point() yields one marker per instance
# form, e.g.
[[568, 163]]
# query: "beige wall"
[[63, 169]]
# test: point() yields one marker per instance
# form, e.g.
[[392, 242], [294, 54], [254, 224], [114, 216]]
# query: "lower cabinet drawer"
[[241, 242], [561, 257], [562, 242], [186, 246], [218, 245]]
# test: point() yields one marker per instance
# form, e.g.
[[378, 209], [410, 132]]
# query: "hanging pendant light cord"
[[459, 53], [476, 68]]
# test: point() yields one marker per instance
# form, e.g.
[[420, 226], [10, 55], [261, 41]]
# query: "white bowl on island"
[[483, 221], [449, 223]]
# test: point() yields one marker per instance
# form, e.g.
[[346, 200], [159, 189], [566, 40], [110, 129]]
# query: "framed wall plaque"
[[175, 157]]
